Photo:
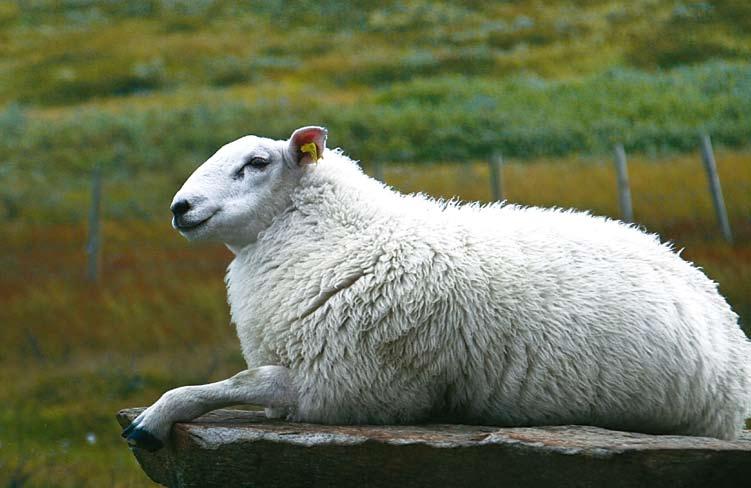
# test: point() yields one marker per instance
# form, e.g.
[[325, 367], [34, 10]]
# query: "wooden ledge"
[[243, 448]]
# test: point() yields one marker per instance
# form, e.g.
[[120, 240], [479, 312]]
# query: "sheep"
[[356, 304]]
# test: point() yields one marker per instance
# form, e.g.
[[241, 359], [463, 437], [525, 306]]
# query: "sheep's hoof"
[[141, 438]]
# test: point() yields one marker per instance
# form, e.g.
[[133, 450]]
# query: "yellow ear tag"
[[311, 149]]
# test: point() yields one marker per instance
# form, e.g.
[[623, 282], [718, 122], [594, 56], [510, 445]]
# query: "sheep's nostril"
[[180, 207]]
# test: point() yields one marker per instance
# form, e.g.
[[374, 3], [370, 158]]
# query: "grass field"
[[149, 89], [71, 51], [154, 84], [77, 352]]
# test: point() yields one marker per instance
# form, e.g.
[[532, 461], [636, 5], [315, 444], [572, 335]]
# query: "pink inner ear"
[[305, 135], [308, 135]]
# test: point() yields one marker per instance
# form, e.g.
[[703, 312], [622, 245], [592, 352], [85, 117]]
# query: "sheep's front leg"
[[269, 386]]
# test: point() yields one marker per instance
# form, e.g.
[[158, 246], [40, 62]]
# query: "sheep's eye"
[[254, 162], [257, 162]]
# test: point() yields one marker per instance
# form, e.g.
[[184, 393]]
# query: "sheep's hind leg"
[[269, 386]]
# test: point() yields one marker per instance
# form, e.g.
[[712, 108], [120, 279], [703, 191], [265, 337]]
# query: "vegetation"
[[70, 51], [443, 118], [149, 89], [78, 352]]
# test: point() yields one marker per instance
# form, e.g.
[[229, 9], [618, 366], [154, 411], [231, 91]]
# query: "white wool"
[[391, 308]]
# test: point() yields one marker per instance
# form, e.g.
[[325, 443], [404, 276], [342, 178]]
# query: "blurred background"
[[106, 107]]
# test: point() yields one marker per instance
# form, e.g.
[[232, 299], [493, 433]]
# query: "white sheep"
[[357, 304]]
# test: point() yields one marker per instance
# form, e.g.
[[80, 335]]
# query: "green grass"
[[150, 89], [156, 86], [57, 424], [70, 51], [445, 118], [77, 352], [168, 82]]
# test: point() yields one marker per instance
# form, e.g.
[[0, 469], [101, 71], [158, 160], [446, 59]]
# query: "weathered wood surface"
[[241, 448]]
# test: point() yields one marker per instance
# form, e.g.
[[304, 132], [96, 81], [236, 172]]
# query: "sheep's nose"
[[180, 207]]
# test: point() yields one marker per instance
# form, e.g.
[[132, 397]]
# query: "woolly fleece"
[[392, 308]]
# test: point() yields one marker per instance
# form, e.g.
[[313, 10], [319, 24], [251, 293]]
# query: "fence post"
[[378, 170], [624, 190], [94, 241], [707, 156], [496, 177], [465, 178]]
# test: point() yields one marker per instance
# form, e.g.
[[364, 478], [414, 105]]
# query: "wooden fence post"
[[707, 156], [378, 170], [496, 177], [624, 190], [94, 242]]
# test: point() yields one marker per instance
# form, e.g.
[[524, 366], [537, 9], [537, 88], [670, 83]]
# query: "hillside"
[[144, 86], [62, 53], [149, 89], [303, 58]]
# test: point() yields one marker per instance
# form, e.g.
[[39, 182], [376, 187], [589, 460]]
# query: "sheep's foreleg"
[[269, 386]]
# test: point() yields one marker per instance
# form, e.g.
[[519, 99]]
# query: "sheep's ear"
[[306, 144]]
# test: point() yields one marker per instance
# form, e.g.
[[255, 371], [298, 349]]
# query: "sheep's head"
[[236, 193]]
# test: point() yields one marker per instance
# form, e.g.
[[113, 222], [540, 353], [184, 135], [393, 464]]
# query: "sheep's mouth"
[[184, 226]]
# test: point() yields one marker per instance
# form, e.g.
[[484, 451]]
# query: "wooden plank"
[[241, 448]]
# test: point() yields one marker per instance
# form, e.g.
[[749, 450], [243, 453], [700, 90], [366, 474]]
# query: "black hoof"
[[143, 439]]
